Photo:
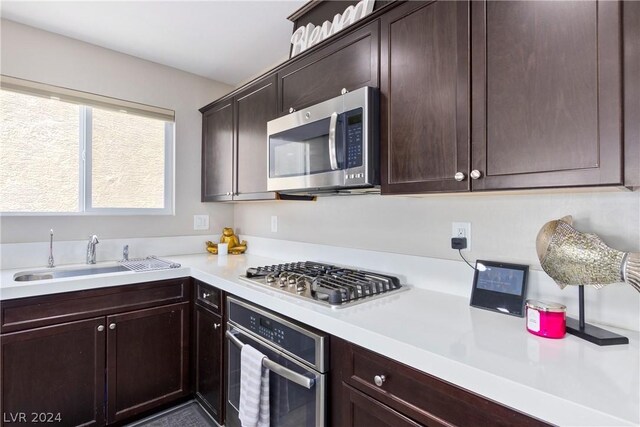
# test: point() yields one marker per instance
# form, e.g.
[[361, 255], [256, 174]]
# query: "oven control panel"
[[284, 334], [267, 328]]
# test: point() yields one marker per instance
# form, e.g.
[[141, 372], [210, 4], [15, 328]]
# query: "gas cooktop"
[[331, 285]]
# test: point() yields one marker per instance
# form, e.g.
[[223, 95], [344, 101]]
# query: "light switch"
[[201, 222]]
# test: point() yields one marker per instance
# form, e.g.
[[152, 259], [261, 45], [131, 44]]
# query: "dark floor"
[[186, 415]]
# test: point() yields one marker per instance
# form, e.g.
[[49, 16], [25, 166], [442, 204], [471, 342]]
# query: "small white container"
[[223, 248]]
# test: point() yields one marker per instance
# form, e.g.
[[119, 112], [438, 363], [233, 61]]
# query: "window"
[[67, 152]]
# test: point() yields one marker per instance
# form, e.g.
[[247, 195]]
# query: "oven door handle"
[[333, 157], [275, 367]]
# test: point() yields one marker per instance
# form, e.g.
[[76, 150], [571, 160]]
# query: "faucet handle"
[[51, 263]]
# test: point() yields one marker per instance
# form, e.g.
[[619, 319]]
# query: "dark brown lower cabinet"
[[208, 361], [54, 373], [94, 357], [406, 396], [365, 411], [147, 359]]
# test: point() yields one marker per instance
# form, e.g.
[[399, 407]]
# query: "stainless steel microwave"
[[331, 147]]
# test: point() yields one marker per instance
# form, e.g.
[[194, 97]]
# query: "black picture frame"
[[500, 287]]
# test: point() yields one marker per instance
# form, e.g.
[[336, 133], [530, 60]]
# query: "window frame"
[[85, 207]]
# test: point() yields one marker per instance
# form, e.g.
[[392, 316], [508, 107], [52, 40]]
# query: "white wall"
[[33, 54], [503, 226]]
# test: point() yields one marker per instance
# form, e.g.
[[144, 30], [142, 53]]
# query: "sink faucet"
[[51, 264], [125, 253], [91, 249]]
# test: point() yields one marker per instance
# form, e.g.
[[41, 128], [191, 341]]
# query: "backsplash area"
[[503, 226]]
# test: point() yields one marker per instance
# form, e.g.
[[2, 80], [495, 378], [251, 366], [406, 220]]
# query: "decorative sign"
[[305, 37]]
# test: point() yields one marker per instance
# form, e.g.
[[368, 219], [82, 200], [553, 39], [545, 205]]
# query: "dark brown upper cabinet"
[[547, 94], [217, 152], [254, 107], [350, 62], [234, 144], [631, 42], [424, 85]]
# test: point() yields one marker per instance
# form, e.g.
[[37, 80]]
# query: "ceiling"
[[227, 41]]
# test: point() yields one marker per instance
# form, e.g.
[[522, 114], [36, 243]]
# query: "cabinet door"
[[56, 370], [546, 94], [208, 362], [362, 410], [350, 62], [424, 84], [255, 106], [217, 152], [147, 359]]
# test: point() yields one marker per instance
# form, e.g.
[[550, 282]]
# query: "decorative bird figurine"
[[570, 257]]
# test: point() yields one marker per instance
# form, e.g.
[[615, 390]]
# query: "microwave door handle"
[[287, 373], [333, 159]]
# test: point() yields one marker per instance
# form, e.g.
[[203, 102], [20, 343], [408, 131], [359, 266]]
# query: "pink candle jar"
[[546, 319]]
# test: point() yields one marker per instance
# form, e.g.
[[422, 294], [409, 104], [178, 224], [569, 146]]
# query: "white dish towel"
[[254, 388]]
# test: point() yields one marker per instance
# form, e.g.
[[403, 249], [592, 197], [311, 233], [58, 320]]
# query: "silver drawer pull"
[[379, 380], [287, 373]]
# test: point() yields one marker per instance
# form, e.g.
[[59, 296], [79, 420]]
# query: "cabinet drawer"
[[420, 396], [32, 312], [209, 297]]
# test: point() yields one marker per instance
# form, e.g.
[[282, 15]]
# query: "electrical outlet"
[[462, 229], [201, 222], [274, 224]]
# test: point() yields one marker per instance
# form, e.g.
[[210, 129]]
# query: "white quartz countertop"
[[566, 382]]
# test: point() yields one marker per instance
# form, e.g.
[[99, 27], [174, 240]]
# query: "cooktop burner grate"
[[330, 284]]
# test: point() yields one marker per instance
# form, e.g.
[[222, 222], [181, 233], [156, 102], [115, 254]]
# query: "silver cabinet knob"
[[291, 110], [343, 91], [100, 328], [205, 295], [216, 325], [459, 176], [379, 380], [112, 326], [475, 174]]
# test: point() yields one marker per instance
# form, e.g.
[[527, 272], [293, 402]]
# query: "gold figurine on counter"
[[235, 246]]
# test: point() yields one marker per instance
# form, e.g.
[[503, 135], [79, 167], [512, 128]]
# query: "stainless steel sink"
[[28, 276]]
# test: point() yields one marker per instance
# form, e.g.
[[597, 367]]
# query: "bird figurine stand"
[[591, 333]]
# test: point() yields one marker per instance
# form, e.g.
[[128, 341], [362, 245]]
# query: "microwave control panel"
[[353, 137]]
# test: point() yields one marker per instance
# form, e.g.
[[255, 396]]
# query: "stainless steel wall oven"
[[297, 359]]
